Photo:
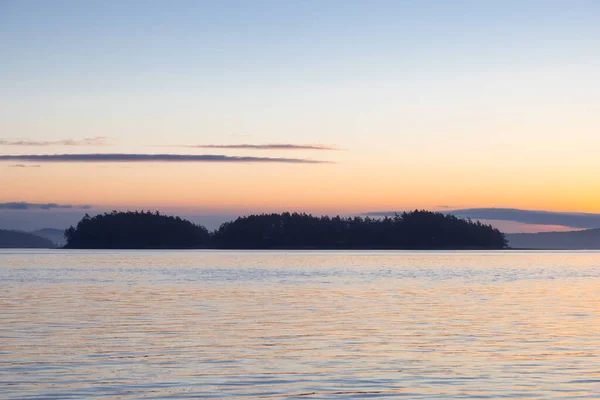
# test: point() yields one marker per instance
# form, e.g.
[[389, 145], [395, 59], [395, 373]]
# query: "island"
[[415, 230]]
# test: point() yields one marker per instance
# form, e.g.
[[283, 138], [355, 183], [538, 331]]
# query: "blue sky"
[[463, 103], [115, 62]]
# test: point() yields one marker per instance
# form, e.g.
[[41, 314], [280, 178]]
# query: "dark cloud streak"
[[533, 217], [94, 141], [281, 146], [112, 157], [536, 217], [22, 205]]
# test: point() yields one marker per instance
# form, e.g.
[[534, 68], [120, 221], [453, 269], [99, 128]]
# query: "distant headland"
[[15, 239], [416, 230]]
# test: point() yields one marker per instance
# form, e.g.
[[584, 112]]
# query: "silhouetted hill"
[[413, 230], [588, 239], [135, 230], [15, 239], [56, 236]]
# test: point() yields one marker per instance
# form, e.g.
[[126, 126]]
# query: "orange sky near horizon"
[[330, 188]]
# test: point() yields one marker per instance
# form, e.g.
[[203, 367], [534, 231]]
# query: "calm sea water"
[[307, 325]]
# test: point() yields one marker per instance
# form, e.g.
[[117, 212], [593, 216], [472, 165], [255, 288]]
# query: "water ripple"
[[305, 325]]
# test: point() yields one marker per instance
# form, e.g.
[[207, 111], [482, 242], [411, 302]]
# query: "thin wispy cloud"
[[112, 157], [273, 146], [93, 141], [24, 166], [22, 205]]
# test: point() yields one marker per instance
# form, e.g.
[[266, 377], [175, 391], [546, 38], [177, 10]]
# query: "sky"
[[230, 107]]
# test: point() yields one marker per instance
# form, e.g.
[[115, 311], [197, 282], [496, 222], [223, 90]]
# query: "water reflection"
[[299, 325]]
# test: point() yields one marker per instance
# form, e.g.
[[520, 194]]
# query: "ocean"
[[299, 324]]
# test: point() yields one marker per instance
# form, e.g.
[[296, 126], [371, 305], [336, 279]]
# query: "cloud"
[[94, 141], [538, 217], [112, 157], [22, 205], [24, 166], [281, 146], [532, 217]]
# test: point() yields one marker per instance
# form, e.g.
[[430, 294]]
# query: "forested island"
[[419, 229]]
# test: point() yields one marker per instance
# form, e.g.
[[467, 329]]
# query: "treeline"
[[409, 230]]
